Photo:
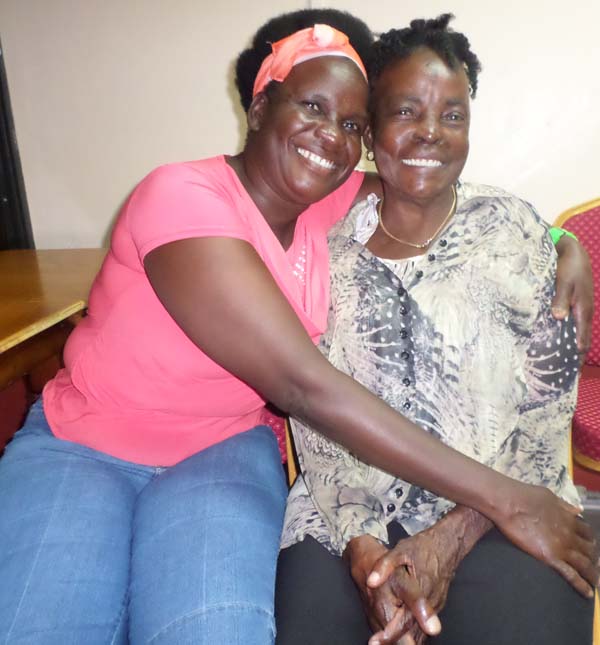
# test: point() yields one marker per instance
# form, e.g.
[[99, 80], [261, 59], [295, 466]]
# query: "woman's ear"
[[257, 111], [368, 138]]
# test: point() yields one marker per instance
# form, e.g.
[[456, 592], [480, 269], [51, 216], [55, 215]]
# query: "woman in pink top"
[[144, 502]]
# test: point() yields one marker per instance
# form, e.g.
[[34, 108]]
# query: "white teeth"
[[324, 163], [424, 163]]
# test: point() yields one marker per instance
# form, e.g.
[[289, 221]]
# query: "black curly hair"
[[451, 46], [249, 61]]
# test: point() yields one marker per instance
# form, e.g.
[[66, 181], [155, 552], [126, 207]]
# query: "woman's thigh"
[[502, 596], [206, 536], [65, 532], [316, 600]]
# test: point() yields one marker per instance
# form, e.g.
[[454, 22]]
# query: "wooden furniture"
[[42, 295]]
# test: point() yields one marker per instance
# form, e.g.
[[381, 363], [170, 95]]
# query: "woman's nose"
[[331, 131], [428, 130]]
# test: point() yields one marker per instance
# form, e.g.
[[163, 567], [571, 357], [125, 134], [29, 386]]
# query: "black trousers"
[[499, 596]]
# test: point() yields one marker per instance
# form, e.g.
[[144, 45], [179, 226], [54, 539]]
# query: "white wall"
[[104, 90], [535, 126]]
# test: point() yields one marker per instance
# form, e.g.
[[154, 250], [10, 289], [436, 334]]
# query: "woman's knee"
[[236, 482], [210, 526], [65, 530]]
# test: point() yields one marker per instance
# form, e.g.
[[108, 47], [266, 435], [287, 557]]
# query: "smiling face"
[[420, 126], [309, 129]]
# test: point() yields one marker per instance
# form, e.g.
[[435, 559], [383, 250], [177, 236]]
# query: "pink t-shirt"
[[134, 385]]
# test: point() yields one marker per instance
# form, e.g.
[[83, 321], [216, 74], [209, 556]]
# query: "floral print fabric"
[[461, 341]]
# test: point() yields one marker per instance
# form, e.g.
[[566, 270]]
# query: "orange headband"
[[320, 40]]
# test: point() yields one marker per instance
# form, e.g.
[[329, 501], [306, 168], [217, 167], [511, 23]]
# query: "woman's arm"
[[574, 290], [221, 294]]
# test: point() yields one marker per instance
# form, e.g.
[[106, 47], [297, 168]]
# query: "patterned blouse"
[[461, 340]]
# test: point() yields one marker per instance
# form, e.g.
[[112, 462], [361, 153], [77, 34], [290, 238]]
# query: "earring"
[[370, 155]]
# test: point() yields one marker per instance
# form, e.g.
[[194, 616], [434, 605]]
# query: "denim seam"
[[42, 541], [122, 613], [133, 470], [217, 607]]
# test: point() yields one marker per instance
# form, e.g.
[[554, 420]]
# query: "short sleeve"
[[333, 207], [180, 201]]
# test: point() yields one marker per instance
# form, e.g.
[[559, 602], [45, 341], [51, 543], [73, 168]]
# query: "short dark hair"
[[249, 61], [451, 46]]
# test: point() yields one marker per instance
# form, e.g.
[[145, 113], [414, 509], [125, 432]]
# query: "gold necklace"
[[429, 240]]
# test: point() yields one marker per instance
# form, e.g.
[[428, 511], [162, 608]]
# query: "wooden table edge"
[[41, 325]]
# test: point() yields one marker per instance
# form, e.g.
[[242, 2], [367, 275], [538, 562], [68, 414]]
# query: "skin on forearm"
[[206, 285], [223, 297], [465, 527], [455, 535], [395, 444]]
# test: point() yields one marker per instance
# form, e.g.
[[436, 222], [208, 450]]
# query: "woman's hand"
[[574, 289], [403, 629], [392, 607], [431, 558], [549, 529]]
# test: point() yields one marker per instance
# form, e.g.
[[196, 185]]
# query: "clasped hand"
[[401, 606], [404, 588]]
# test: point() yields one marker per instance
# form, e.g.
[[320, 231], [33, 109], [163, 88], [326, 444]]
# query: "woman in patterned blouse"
[[440, 305]]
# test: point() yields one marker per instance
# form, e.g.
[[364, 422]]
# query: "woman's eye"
[[352, 126], [311, 106], [404, 111], [455, 116]]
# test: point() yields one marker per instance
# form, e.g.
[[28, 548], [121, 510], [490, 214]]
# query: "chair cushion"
[[586, 226], [586, 423], [277, 423]]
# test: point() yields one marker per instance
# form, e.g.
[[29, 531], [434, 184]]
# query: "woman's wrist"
[[360, 545], [459, 531], [557, 234], [496, 496]]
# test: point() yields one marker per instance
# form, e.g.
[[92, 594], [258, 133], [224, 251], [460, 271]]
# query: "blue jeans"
[[95, 550]]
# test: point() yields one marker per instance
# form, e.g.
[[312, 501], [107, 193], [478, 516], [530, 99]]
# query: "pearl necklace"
[[429, 240]]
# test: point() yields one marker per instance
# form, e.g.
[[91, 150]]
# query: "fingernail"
[[559, 311], [433, 625], [373, 578]]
